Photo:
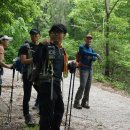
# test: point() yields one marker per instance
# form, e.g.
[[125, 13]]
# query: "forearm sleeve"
[[82, 51]]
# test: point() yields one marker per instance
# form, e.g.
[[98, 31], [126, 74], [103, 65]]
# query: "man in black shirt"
[[26, 53], [50, 59]]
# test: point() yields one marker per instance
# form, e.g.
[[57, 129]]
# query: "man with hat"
[[86, 56], [51, 60], [4, 41], [26, 53]]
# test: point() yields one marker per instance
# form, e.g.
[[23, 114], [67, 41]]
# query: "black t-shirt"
[[41, 58], [25, 50]]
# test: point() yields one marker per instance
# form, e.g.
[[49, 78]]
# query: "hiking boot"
[[85, 105], [77, 106], [28, 119]]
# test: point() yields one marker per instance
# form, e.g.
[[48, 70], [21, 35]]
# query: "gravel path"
[[110, 110]]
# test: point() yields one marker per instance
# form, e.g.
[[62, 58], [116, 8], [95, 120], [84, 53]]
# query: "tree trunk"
[[108, 13], [107, 65]]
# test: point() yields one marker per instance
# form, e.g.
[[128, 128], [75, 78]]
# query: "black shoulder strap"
[[64, 51]]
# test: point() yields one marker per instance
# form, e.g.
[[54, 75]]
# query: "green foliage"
[[99, 77], [71, 47], [10, 53], [114, 84], [19, 32], [11, 10], [119, 85], [32, 128], [80, 17], [87, 16]]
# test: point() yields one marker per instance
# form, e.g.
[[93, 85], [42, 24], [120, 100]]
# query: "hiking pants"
[[27, 88], [37, 99], [51, 111], [84, 88]]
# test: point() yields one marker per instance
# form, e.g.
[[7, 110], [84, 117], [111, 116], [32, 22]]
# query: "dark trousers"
[[51, 111], [27, 88], [37, 99]]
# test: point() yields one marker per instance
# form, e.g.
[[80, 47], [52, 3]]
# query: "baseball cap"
[[89, 36], [58, 28], [5, 37], [34, 31]]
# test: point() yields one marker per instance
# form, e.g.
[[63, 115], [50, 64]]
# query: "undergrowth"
[[114, 84]]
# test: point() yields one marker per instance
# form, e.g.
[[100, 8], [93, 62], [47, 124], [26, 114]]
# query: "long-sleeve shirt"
[[87, 56]]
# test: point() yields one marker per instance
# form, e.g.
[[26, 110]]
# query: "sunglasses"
[[5, 39], [89, 37]]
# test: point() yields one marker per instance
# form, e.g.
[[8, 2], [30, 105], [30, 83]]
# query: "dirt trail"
[[109, 110]]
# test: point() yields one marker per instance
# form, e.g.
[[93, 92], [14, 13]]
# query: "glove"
[[99, 57], [72, 67]]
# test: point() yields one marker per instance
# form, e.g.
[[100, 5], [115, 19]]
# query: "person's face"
[[57, 37], [35, 38], [5, 43], [88, 40]]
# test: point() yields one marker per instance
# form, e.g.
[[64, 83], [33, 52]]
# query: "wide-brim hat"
[[5, 37]]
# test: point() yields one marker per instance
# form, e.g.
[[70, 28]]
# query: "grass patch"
[[32, 128], [114, 84]]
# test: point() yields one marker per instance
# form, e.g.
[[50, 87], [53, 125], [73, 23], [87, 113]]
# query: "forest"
[[107, 20]]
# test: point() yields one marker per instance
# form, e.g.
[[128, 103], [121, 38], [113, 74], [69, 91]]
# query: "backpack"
[[50, 55], [18, 65]]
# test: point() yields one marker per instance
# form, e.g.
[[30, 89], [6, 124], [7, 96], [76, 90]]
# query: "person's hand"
[[77, 64], [12, 66], [45, 41], [99, 57], [72, 67]]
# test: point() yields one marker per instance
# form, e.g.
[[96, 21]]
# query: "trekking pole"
[[11, 97], [52, 88], [72, 92], [51, 71], [68, 102], [62, 89]]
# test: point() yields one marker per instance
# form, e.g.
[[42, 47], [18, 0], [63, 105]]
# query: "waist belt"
[[83, 65]]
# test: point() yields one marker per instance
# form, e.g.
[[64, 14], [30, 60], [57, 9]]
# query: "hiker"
[[4, 41], [26, 53], [85, 58], [51, 60]]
